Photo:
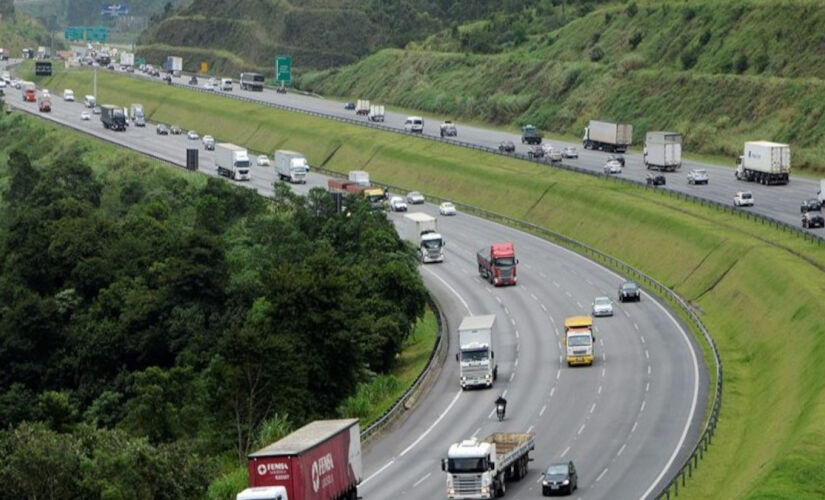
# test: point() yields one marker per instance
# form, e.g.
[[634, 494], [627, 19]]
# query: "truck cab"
[[226, 84], [498, 264], [529, 135], [482, 468], [376, 199], [421, 230], [579, 341], [476, 357]]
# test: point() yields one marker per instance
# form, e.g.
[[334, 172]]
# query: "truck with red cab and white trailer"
[[497, 264], [321, 461]]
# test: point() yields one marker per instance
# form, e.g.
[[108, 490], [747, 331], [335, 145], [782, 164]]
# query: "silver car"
[[415, 198], [602, 306], [613, 167], [570, 152], [697, 176]]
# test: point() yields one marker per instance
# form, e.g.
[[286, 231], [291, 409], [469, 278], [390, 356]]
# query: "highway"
[[627, 422]]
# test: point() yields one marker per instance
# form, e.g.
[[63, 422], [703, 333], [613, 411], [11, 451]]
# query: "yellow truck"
[[579, 340]]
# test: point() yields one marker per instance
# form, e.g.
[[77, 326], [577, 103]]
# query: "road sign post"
[[283, 70]]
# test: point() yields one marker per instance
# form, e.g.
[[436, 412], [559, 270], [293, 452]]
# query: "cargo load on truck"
[[112, 117], [421, 230], [579, 340], [475, 355], [483, 468], [252, 81], [497, 264], [376, 114], [319, 461], [360, 177], [127, 59], [663, 151], [173, 65], [764, 162], [362, 107], [291, 166], [608, 136], [232, 161]]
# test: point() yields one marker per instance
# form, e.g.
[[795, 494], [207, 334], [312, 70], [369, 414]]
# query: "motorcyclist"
[[501, 407]]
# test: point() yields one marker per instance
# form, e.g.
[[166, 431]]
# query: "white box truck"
[[482, 468], [421, 230], [291, 166], [362, 107], [137, 116], [764, 162], [376, 113], [359, 177], [127, 59], [608, 136], [663, 151], [226, 84], [232, 161], [477, 366], [821, 193], [173, 65]]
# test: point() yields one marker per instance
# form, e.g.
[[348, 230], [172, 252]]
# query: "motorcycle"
[[501, 406]]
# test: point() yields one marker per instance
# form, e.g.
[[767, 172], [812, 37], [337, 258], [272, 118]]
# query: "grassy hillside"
[[720, 72], [21, 31], [759, 290]]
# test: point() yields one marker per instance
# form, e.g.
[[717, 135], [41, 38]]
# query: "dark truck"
[[497, 264], [529, 135], [112, 117]]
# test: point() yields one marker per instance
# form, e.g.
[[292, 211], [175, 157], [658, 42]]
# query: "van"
[[226, 84], [414, 124], [89, 101], [68, 95]]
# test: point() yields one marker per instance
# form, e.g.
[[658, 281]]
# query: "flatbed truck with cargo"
[[483, 468]]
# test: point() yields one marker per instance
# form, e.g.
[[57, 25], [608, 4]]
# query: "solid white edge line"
[[379, 471], [463, 302], [430, 428]]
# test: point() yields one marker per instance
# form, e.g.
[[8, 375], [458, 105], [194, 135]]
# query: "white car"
[[415, 198], [209, 86], [743, 199], [414, 124], [613, 167], [208, 142], [602, 306], [263, 161], [397, 204], [192, 135], [554, 155], [570, 152], [446, 208], [85, 115], [547, 147], [698, 176]]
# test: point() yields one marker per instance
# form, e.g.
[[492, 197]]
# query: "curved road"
[[627, 422]]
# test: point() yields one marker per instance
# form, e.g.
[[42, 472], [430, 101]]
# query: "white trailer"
[[359, 177], [362, 107], [127, 59], [232, 161], [291, 166], [764, 162], [608, 136], [421, 230], [173, 65], [821, 193], [136, 115], [663, 151], [376, 113], [476, 359], [483, 468], [226, 84]]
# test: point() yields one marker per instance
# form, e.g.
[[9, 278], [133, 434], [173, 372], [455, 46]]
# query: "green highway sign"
[[97, 33], [91, 33], [74, 33], [139, 61], [283, 69]]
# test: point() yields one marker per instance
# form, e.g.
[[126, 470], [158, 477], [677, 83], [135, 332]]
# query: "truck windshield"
[[374, 198], [458, 465], [505, 261], [432, 244], [474, 356], [578, 340], [242, 164]]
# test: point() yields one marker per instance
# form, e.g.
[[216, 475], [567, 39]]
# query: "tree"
[[7, 9]]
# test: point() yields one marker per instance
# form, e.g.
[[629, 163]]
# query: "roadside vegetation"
[[758, 289], [156, 326], [18, 30]]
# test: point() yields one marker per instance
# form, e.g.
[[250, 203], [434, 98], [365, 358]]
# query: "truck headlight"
[[488, 376], [485, 490], [451, 491], [545, 483], [565, 482]]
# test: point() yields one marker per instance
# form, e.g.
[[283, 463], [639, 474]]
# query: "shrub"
[[705, 37], [740, 64], [635, 39], [631, 10], [596, 53], [689, 59], [594, 39], [689, 14]]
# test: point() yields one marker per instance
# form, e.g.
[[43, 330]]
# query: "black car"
[[812, 219], [507, 147], [281, 90], [618, 158], [560, 478], [193, 80], [656, 179], [811, 205], [168, 79], [349, 105], [535, 152], [629, 291]]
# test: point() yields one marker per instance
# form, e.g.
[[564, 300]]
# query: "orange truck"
[[29, 91]]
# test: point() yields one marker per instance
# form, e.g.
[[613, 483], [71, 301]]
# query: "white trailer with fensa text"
[[232, 161], [477, 366], [291, 166], [421, 230]]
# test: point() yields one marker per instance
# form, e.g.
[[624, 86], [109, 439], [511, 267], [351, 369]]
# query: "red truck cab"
[[498, 264]]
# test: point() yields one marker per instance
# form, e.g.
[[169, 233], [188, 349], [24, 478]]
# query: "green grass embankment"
[[760, 290]]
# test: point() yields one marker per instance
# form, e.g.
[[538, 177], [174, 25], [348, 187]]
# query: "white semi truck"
[[359, 177], [608, 136], [663, 151], [362, 107], [765, 162], [173, 65], [421, 230], [477, 365], [127, 59], [137, 116], [232, 161], [376, 113], [291, 166], [483, 468]]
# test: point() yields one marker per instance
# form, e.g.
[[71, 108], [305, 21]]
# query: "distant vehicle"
[[812, 219], [193, 80], [281, 89], [820, 195], [397, 204], [663, 151], [29, 92], [559, 478], [44, 103], [85, 115], [612, 167], [68, 95], [226, 84], [570, 152], [175, 130], [764, 162], [618, 158], [629, 291], [96, 110], [113, 117], [535, 151], [497, 264], [89, 101], [607, 136], [252, 81], [362, 107], [349, 106], [376, 114], [291, 166], [263, 161], [263, 493], [494, 461], [192, 135], [507, 147], [415, 198], [136, 114], [555, 155], [208, 143], [232, 161], [743, 199], [209, 86], [414, 124], [602, 306], [447, 208], [529, 135], [698, 176], [811, 205], [579, 341], [161, 129], [359, 177], [655, 179], [168, 79], [477, 366], [173, 65], [448, 129]]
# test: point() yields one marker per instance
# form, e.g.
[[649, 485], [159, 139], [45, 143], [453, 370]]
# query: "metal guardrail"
[[692, 462]]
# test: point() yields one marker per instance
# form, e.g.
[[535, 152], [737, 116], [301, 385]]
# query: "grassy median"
[[759, 289]]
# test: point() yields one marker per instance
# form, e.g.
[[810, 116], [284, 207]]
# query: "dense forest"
[[155, 324]]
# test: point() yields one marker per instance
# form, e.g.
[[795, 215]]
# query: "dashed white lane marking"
[[556, 284], [565, 451], [635, 326], [431, 427], [552, 391], [460, 298], [601, 342], [476, 432], [634, 427], [599, 391], [422, 479], [542, 275], [542, 410], [647, 354], [592, 408], [603, 370], [534, 296], [642, 337], [528, 266], [648, 369], [543, 308], [513, 321], [560, 359], [498, 299], [559, 343], [529, 429], [558, 374], [604, 356], [511, 376], [568, 294], [621, 450], [504, 394], [516, 337], [626, 314], [579, 304], [644, 403], [516, 363], [581, 429], [647, 387], [506, 311], [379, 471], [601, 475]]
